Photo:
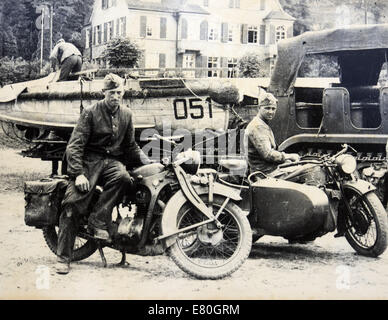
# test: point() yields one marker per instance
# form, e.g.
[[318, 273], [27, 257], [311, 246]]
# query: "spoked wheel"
[[366, 224], [82, 248], [210, 251]]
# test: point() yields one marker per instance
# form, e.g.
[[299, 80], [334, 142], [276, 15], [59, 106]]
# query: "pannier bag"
[[43, 201]]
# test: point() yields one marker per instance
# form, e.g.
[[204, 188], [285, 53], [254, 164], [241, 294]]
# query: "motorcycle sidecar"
[[288, 209]]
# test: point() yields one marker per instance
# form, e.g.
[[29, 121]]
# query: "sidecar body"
[[288, 209]]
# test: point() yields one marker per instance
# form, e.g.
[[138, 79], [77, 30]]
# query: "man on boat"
[[262, 150], [68, 57], [101, 145]]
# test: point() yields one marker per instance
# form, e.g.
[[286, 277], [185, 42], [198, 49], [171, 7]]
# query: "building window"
[[213, 32], [212, 62], [252, 34], [232, 67], [108, 3], [205, 3], [188, 63], [149, 31], [280, 33]]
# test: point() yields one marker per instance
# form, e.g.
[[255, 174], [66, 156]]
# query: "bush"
[[14, 70], [122, 53], [252, 65]]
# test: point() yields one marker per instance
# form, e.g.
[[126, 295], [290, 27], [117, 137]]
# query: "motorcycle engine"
[[131, 227]]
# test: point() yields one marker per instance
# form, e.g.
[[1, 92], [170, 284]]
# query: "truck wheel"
[[209, 252], [82, 248], [367, 224]]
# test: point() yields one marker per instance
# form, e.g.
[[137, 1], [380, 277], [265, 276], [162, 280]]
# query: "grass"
[[15, 169], [7, 141]]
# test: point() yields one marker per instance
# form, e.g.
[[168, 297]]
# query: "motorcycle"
[[303, 200], [205, 234]]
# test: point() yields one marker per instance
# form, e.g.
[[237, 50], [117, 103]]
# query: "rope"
[[192, 92]]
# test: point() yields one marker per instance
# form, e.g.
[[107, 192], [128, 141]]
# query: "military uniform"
[[101, 144], [262, 153]]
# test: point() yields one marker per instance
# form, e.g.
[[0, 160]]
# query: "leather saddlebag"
[[43, 201]]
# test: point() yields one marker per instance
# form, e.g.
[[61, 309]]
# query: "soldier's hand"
[[82, 183], [292, 157]]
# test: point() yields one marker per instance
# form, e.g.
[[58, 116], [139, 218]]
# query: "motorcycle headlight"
[[347, 163], [191, 166]]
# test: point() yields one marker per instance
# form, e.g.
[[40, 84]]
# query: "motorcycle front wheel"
[[82, 248], [209, 252], [367, 223]]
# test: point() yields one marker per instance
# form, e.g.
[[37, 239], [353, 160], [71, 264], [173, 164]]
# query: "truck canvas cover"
[[291, 53]]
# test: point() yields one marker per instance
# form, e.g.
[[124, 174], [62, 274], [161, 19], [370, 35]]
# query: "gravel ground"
[[328, 268]]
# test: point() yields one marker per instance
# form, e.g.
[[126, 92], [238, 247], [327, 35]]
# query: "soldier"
[[101, 144], [262, 153], [68, 57]]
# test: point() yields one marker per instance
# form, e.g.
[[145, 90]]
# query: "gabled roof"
[[279, 15], [165, 6]]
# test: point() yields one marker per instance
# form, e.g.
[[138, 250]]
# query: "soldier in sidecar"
[[262, 153]]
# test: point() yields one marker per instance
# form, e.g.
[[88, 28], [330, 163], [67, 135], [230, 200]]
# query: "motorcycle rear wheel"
[[82, 248], [200, 257], [367, 231]]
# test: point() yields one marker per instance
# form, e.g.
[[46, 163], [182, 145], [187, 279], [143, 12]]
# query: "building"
[[190, 33]]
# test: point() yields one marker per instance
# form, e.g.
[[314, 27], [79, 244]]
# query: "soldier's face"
[[113, 97], [267, 112]]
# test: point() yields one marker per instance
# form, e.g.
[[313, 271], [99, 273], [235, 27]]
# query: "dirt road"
[[325, 269]]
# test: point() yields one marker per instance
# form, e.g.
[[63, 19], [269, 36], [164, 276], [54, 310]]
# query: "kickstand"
[[123, 261], [102, 255]]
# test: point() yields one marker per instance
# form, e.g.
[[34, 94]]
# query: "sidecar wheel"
[[367, 231], [82, 248], [207, 252]]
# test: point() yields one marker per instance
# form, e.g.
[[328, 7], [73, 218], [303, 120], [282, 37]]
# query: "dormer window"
[[280, 33]]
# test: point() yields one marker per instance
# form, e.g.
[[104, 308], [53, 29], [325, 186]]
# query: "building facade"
[[190, 33]]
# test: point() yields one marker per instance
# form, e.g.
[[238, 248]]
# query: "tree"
[[122, 53], [252, 65], [299, 9]]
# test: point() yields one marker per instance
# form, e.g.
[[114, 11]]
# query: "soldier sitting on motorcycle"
[[101, 144], [262, 150]]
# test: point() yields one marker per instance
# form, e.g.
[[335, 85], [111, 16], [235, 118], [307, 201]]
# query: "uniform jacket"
[[101, 134], [262, 153]]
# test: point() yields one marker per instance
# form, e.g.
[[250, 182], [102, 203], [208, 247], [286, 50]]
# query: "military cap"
[[267, 99], [112, 81]]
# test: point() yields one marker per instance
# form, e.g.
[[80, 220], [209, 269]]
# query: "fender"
[[333, 138], [359, 185], [173, 206]]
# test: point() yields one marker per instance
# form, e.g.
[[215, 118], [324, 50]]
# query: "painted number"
[[185, 108]]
